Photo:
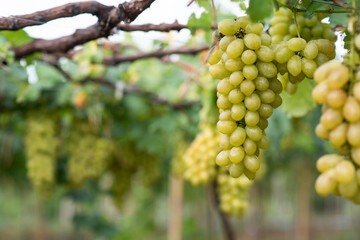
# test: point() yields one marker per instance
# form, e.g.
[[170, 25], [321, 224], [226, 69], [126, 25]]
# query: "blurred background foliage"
[[134, 111]]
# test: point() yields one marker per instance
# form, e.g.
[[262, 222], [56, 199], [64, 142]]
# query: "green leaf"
[[203, 22], [260, 9], [47, 75], [16, 38], [29, 92], [301, 102], [337, 19], [312, 7]]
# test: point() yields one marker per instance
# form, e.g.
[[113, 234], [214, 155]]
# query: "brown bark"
[[226, 226], [68, 10], [175, 208], [157, 54], [126, 12]]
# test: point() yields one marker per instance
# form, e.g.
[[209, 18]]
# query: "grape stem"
[[294, 9], [352, 31], [228, 231]]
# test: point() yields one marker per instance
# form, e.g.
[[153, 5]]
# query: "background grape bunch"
[[338, 89]]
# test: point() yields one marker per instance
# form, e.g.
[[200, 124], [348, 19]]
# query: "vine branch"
[[38, 18], [126, 12], [116, 59], [228, 231], [163, 27]]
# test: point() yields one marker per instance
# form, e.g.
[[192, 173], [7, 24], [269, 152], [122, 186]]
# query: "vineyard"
[[236, 120]]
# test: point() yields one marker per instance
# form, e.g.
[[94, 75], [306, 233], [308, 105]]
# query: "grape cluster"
[[177, 163], [297, 59], [199, 157], [233, 193], [340, 124], [41, 144], [284, 27], [248, 91], [89, 155]]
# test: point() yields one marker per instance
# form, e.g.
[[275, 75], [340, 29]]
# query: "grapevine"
[[89, 154], [41, 145]]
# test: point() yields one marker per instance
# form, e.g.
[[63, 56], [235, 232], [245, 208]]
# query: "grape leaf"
[[301, 102], [337, 19], [16, 38], [48, 75], [311, 8], [203, 22], [259, 9]]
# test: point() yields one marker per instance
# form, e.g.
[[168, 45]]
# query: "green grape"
[[222, 159], [226, 127], [267, 96], [254, 133], [224, 86], [252, 41], [294, 65], [236, 78], [254, 28], [236, 154], [225, 41], [214, 57], [248, 57], [311, 50], [261, 83], [326, 183], [238, 111], [233, 65], [353, 134], [236, 96], [252, 102], [235, 48], [218, 71], [267, 69], [336, 98], [225, 142], [351, 110], [345, 172], [229, 26], [252, 163], [265, 110], [247, 87], [250, 146], [308, 67], [296, 44], [265, 54], [337, 136], [250, 72], [223, 102], [331, 118], [238, 137], [252, 118], [322, 132]]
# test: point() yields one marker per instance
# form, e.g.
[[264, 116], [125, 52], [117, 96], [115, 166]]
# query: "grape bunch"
[[41, 143], [248, 91], [199, 157], [233, 193], [177, 163], [89, 155], [340, 124], [284, 27], [297, 59]]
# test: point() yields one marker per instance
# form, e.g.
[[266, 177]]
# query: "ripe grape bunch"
[[284, 26], [248, 91], [338, 89], [233, 193], [300, 46], [41, 144], [89, 154], [199, 157]]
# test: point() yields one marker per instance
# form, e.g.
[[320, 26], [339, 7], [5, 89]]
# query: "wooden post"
[[175, 208], [302, 220]]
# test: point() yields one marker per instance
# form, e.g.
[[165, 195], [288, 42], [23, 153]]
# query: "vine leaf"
[[259, 10], [301, 102]]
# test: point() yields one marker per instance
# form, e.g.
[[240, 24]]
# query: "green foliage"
[[16, 38], [301, 102], [259, 9]]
